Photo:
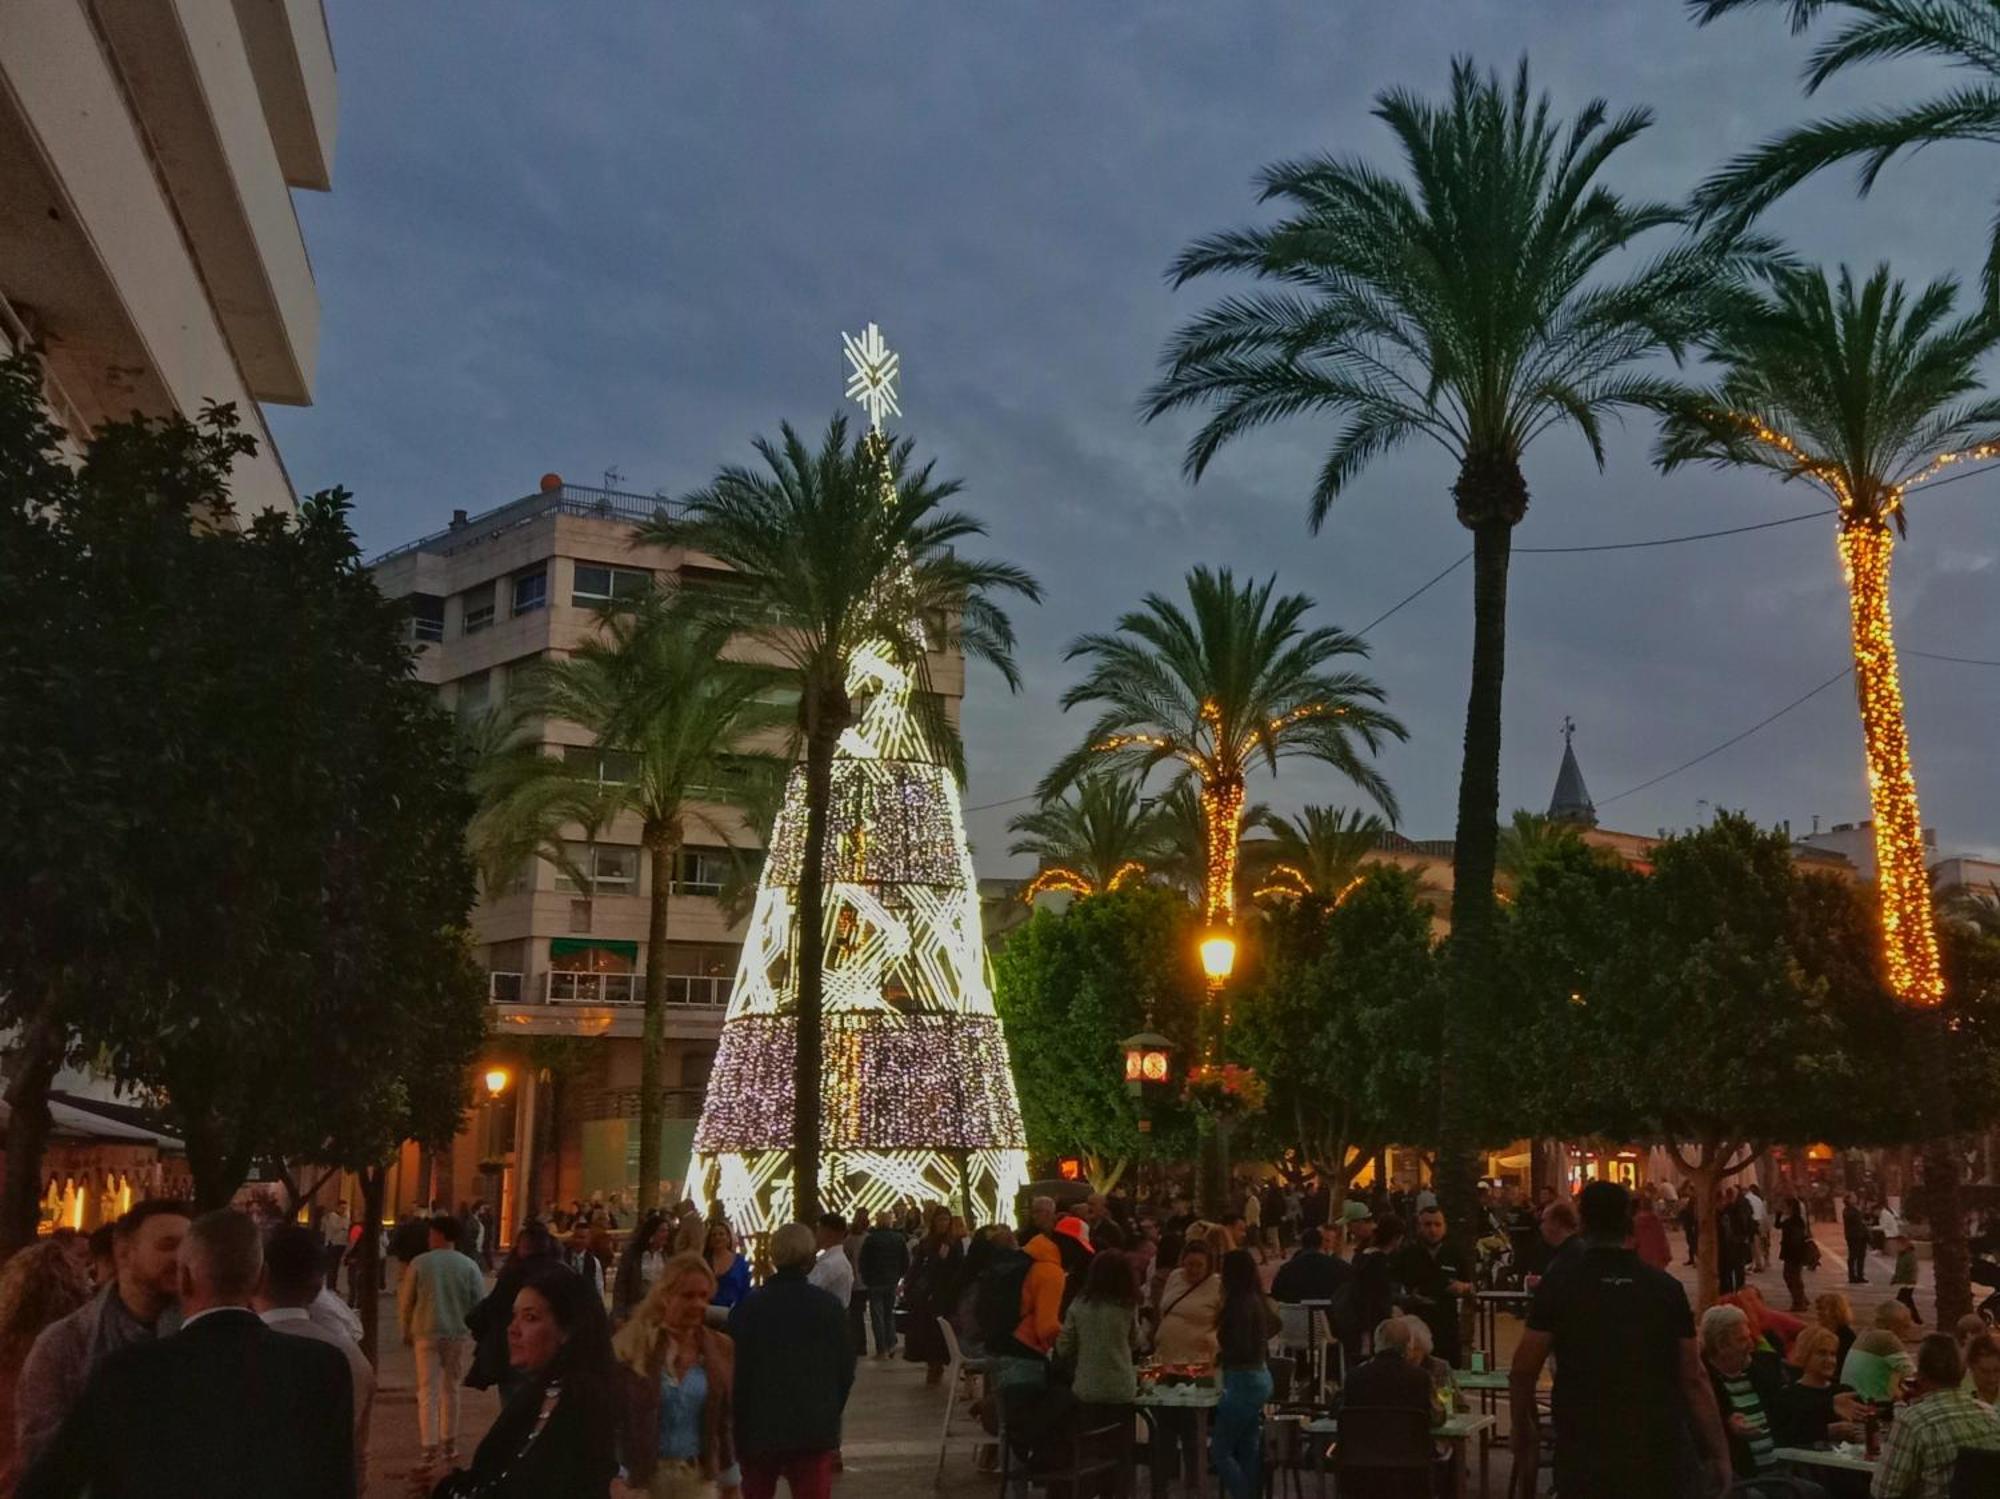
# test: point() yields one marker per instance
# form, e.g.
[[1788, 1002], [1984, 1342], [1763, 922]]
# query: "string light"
[[1909, 936], [917, 1096]]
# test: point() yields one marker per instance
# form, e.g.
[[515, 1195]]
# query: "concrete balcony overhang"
[[92, 260], [186, 67], [292, 56], [618, 1021]]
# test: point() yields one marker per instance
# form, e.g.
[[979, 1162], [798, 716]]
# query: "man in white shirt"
[[832, 1271], [283, 1300]]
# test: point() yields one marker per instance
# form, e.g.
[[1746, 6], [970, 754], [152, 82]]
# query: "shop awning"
[[559, 946]]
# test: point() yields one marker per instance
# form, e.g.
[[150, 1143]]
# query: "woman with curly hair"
[[39, 1285]]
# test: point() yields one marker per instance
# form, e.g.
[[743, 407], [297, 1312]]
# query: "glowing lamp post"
[[496, 1081], [1218, 957]]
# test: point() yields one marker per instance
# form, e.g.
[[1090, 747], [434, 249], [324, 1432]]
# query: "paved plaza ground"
[[893, 1417]]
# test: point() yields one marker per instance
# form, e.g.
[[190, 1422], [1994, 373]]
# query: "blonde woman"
[[675, 1380]]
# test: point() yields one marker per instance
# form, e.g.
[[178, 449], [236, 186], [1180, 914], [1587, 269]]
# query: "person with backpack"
[[884, 1261]]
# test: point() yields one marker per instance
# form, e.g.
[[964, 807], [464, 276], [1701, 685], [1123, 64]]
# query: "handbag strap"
[[490, 1487]]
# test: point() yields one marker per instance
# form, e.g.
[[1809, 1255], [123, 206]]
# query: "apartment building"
[[490, 595], [149, 252]]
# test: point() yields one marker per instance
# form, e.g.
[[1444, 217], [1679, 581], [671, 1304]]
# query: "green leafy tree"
[[1095, 839], [1488, 296], [841, 550], [261, 770], [1069, 988], [656, 691], [1962, 34], [1343, 1024]]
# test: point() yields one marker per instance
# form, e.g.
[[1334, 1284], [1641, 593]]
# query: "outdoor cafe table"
[[1458, 1429], [1490, 1304], [1822, 1462], [1199, 1398]]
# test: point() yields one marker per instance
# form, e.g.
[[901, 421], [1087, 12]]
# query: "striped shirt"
[[1745, 1402]]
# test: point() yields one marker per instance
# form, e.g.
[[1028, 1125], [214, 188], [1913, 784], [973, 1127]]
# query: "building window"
[[696, 1064], [475, 694], [613, 867], [531, 590], [426, 618], [606, 767], [596, 587], [701, 871], [478, 609]]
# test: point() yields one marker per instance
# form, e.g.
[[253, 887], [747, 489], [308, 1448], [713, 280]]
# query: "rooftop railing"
[[571, 499]]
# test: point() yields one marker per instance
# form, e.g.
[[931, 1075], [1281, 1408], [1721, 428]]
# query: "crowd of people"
[[178, 1354]]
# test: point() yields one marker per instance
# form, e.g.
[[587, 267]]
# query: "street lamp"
[[496, 1081], [1218, 957]]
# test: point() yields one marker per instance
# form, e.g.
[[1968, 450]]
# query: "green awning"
[[629, 951]]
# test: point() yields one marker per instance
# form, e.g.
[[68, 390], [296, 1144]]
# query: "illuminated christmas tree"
[[918, 1096]]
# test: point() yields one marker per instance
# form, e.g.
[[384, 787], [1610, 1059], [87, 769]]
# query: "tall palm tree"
[[1232, 681], [1484, 300], [1964, 34], [840, 550], [654, 688], [1097, 838], [1324, 852], [1863, 392]]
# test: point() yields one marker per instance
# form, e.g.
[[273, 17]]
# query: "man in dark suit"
[[224, 1409], [794, 1367]]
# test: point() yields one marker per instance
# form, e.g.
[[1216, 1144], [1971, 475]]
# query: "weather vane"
[[872, 386]]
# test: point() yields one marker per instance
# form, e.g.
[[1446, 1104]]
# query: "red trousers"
[[810, 1475]]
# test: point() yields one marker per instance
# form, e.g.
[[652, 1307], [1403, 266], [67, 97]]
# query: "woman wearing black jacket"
[[488, 1322], [554, 1438]]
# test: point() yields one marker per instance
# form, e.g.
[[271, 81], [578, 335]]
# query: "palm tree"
[[1863, 392], [1183, 858], [841, 551], [1324, 852], [1963, 34], [654, 689], [1093, 840], [1471, 306], [1230, 682], [1527, 838]]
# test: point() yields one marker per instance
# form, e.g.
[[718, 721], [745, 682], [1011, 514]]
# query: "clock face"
[[1153, 1067]]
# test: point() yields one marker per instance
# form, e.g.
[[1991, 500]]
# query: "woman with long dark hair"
[[930, 1291], [488, 1322], [554, 1437], [1245, 1327]]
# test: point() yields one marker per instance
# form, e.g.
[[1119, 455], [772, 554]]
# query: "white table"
[[1826, 1457], [1459, 1429], [1199, 1398]]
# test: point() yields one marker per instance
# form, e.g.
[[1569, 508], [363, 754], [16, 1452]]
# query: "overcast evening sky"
[[591, 235]]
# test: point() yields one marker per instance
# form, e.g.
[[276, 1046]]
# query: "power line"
[[1411, 598], [1668, 541], [1961, 660], [1734, 739]]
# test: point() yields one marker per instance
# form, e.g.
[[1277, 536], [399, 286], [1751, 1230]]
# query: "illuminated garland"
[[1909, 935], [1067, 881]]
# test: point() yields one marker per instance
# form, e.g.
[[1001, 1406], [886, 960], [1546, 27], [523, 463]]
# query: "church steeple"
[[1571, 803]]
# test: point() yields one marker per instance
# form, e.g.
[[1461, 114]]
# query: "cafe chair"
[[961, 1378], [1976, 1474], [1384, 1452]]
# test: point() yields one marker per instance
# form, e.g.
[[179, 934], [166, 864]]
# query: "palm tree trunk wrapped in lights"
[[1909, 930]]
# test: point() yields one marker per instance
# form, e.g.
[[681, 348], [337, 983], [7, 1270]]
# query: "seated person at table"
[[1940, 1422], [1312, 1274], [1745, 1391], [1877, 1366], [1394, 1376], [1982, 1369], [1423, 1353], [1813, 1409]]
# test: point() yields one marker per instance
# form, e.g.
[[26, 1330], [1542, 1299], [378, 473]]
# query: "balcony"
[[686, 990]]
